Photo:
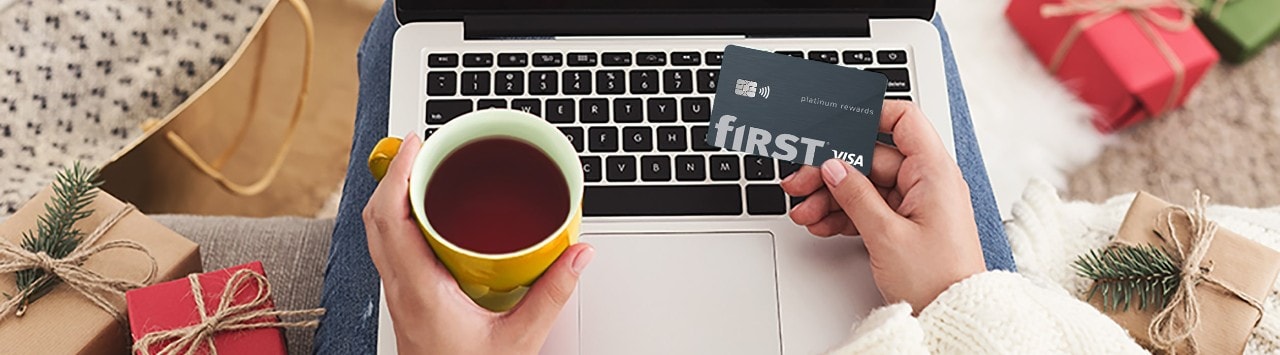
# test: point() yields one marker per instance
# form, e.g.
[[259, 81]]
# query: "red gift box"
[[171, 305], [1129, 59]]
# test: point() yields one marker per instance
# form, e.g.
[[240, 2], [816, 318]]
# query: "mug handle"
[[381, 156]]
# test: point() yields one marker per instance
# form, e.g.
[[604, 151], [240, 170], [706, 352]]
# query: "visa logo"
[[852, 159]]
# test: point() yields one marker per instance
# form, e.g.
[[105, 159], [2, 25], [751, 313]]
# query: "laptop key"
[[671, 139], [547, 59], [695, 109], [797, 54], [891, 57], [757, 168], [899, 79], [766, 200], [575, 136], [785, 168], [651, 58], [475, 83], [661, 109], [560, 111], [637, 139], [477, 60], [530, 106], [509, 83], [620, 168], [577, 82], [655, 168], [441, 111], [582, 59], [591, 168], [593, 110], [611, 82], [543, 83], [513, 60], [795, 200], [825, 56], [662, 200], [857, 57], [490, 103], [714, 58], [724, 168], [698, 138], [644, 82], [628, 110], [428, 133], [602, 139], [616, 59], [442, 60], [707, 79], [691, 168], [686, 58], [442, 83], [903, 98], [677, 81]]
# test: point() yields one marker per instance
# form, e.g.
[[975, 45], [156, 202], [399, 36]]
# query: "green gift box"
[[1239, 29]]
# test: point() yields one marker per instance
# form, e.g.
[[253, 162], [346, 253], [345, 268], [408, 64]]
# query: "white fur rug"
[[1027, 124]]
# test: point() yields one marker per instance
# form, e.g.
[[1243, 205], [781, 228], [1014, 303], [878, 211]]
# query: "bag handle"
[[213, 170]]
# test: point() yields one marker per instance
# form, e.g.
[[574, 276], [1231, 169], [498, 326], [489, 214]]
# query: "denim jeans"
[[351, 283]]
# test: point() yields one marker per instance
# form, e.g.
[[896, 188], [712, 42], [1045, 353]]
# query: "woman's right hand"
[[913, 212]]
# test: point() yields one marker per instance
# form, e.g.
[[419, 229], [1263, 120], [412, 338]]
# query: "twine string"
[[228, 316], [71, 271], [1174, 324]]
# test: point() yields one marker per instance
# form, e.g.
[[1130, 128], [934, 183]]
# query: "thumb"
[[541, 306], [858, 198]]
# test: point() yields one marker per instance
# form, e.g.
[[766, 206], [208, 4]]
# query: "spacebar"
[[663, 200]]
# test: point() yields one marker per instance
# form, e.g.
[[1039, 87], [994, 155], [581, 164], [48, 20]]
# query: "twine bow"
[[71, 270], [1174, 324], [1143, 14], [226, 317]]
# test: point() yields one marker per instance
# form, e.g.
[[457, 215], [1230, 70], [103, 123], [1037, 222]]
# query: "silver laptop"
[[695, 254]]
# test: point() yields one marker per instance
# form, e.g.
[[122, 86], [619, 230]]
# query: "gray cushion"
[[293, 252]]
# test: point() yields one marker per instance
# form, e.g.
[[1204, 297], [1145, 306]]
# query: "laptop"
[[695, 253]]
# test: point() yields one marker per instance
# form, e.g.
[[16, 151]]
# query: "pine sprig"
[[1124, 274], [55, 233]]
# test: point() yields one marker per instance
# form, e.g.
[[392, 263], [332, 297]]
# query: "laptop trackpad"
[[710, 293]]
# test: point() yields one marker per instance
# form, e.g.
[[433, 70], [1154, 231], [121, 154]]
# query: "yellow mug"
[[494, 281]]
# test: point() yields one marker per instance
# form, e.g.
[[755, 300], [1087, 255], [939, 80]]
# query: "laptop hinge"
[[832, 24]]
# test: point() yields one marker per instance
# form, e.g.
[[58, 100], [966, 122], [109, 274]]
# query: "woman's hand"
[[431, 313], [913, 212]]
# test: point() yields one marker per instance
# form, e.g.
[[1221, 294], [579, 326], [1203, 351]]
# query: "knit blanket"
[[79, 77], [1047, 234]]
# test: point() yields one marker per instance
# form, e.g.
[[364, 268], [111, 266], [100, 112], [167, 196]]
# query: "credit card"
[[797, 110]]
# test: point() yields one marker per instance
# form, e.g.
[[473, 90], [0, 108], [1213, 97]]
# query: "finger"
[[803, 182], [858, 198], [402, 164], [832, 224], [912, 132], [885, 165], [540, 307], [814, 208]]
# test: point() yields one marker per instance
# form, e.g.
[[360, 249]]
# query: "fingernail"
[[583, 259], [412, 136], [788, 178], [833, 172]]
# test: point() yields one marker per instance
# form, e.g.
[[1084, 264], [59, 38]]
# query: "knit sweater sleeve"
[[992, 312]]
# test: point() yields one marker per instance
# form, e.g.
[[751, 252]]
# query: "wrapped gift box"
[[64, 321], [1239, 29], [172, 305], [1118, 65], [1226, 321]]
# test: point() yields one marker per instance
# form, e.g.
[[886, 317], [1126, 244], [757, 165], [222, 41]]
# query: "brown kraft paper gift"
[[64, 321], [1226, 320]]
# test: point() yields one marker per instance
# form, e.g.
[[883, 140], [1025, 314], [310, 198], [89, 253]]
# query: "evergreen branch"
[[1124, 274], [55, 234]]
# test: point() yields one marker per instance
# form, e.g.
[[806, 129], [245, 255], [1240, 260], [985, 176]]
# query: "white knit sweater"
[[1038, 311]]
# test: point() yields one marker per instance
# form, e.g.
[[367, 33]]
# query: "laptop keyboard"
[[638, 121]]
